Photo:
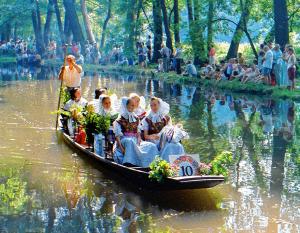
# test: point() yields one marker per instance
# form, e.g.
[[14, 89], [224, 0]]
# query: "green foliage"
[[13, 196], [219, 166], [65, 95], [160, 169], [61, 111], [95, 123]]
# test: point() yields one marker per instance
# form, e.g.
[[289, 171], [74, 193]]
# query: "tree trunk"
[[108, 16], [210, 16], [130, 26], [166, 25], [281, 22], [16, 31], [50, 11], [37, 27], [176, 22], [72, 17], [67, 28], [157, 22], [270, 36], [190, 11], [6, 32], [59, 23], [196, 31], [251, 43], [239, 31], [138, 23], [87, 24]]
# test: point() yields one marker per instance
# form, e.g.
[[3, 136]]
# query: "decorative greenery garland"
[[161, 169]]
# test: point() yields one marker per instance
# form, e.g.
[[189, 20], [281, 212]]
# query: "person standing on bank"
[[166, 53], [71, 74]]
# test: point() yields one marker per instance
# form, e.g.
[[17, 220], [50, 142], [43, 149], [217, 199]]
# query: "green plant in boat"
[[160, 169]]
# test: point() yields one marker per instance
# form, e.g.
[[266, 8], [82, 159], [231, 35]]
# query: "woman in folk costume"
[[107, 105], [105, 108], [139, 105], [157, 127], [130, 149], [95, 101]]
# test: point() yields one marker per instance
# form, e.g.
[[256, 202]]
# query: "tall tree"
[[210, 16], [176, 22], [196, 31], [67, 28], [104, 27], [6, 31], [50, 10], [86, 21], [158, 32], [73, 21], [37, 26], [281, 22], [166, 24], [130, 26], [240, 28], [58, 19]]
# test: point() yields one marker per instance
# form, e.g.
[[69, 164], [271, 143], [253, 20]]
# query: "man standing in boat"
[[71, 74]]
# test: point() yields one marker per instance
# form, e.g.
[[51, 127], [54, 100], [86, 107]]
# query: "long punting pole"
[[60, 92]]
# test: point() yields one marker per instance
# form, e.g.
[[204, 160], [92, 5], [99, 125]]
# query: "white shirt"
[[80, 103], [71, 77], [268, 59], [291, 61]]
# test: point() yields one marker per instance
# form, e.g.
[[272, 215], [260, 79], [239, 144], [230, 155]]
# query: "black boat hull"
[[140, 176]]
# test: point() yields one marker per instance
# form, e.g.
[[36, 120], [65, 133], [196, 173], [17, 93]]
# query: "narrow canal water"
[[46, 187]]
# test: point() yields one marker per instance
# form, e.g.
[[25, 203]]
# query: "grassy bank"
[[7, 60]]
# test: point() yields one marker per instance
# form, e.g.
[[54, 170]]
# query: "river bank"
[[171, 77]]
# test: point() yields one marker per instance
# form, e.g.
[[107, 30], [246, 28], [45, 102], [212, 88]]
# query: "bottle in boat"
[[99, 144], [110, 140]]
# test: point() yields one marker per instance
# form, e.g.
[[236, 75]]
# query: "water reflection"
[[53, 190]]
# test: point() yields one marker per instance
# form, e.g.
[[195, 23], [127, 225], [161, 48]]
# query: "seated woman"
[[154, 123], [139, 105], [105, 108], [76, 100], [251, 74], [130, 149], [95, 101], [71, 106], [106, 104]]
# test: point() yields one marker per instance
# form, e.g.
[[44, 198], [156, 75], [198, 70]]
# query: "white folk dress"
[[127, 127]]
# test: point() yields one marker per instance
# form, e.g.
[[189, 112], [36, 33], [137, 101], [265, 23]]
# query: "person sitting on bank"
[[190, 70], [71, 74]]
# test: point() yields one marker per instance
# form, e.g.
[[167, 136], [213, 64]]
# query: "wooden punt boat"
[[139, 176]]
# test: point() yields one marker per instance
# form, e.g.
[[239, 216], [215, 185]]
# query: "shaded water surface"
[[46, 187]]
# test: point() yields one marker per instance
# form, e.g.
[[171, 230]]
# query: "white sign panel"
[[188, 165]]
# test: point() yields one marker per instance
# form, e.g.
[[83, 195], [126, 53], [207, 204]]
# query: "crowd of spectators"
[[273, 66]]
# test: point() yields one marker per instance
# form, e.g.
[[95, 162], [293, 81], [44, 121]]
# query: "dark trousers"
[[178, 65]]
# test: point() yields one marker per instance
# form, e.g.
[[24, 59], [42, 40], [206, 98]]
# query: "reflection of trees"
[[252, 139], [204, 139], [13, 196]]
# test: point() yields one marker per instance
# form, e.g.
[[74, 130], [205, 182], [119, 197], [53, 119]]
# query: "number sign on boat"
[[188, 165]]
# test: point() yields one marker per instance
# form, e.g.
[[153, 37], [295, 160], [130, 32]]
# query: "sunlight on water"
[[45, 186]]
